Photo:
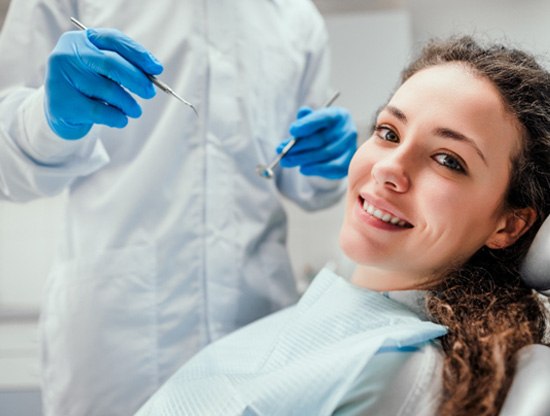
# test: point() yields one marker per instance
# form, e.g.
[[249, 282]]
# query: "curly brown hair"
[[489, 311]]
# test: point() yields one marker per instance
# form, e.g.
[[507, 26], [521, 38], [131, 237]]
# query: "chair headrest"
[[536, 267]]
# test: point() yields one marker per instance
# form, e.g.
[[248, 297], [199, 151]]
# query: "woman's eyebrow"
[[455, 135], [397, 113], [441, 131]]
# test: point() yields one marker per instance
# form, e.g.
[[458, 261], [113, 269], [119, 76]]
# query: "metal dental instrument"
[[267, 171], [161, 85]]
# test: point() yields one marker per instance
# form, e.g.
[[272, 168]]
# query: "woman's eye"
[[387, 134], [450, 162]]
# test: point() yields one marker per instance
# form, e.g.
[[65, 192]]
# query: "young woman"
[[443, 202]]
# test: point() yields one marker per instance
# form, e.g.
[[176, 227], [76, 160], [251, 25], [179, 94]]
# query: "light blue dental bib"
[[300, 361]]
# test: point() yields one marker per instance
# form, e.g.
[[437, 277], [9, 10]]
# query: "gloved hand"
[[88, 76], [326, 142]]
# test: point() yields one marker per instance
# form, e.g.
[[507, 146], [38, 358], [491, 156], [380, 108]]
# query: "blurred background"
[[371, 40]]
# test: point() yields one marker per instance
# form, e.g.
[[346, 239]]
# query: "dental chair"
[[529, 394]]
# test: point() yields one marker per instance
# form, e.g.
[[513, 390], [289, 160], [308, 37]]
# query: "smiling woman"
[[444, 138], [443, 203], [474, 203]]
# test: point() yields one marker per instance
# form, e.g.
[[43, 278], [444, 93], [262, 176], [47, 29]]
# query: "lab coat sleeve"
[[310, 192], [34, 162]]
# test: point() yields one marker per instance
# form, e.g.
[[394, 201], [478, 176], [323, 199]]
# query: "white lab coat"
[[171, 240]]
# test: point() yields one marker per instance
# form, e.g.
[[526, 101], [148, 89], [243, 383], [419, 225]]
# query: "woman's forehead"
[[453, 96], [450, 87]]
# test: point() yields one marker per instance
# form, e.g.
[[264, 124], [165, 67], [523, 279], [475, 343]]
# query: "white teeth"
[[383, 216]]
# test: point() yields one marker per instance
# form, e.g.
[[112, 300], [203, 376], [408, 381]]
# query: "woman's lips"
[[383, 215]]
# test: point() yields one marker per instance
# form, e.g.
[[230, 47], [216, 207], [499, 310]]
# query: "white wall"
[[28, 236], [525, 23]]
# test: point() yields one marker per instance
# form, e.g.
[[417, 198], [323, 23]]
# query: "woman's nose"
[[391, 172]]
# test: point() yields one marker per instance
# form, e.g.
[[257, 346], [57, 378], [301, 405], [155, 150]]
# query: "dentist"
[[171, 239]]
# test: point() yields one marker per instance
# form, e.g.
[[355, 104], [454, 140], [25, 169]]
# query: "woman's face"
[[426, 190]]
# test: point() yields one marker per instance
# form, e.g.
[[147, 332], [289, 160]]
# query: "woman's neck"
[[383, 280]]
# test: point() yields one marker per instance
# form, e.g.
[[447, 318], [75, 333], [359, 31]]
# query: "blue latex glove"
[[326, 142], [88, 78]]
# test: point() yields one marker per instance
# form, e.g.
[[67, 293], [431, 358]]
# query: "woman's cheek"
[[360, 164]]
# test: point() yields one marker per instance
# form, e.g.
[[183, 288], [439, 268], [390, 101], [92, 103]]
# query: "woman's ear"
[[511, 227]]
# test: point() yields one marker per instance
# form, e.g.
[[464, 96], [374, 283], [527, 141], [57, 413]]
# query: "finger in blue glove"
[[326, 142], [89, 77]]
